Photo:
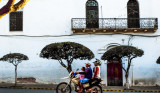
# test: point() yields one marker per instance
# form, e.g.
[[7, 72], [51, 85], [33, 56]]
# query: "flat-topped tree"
[[158, 61], [119, 52], [15, 59], [67, 51]]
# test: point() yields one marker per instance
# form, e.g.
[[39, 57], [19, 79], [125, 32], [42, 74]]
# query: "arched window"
[[92, 15], [133, 14]]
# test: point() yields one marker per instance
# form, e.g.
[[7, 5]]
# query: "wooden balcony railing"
[[104, 25]]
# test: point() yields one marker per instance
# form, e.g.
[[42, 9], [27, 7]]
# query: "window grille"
[[92, 14], [16, 21], [133, 14]]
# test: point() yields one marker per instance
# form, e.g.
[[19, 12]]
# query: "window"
[[16, 21], [133, 14], [92, 15]]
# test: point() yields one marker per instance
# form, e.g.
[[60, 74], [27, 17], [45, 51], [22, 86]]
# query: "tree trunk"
[[69, 68], [127, 81], [15, 75]]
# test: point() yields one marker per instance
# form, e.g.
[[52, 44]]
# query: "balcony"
[[114, 25]]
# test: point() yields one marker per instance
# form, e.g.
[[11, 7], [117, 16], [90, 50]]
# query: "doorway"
[[114, 74]]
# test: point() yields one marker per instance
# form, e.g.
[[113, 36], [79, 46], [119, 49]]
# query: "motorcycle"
[[93, 86]]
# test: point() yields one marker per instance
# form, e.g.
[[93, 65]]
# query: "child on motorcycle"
[[81, 76]]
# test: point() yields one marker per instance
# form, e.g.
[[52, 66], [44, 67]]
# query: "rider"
[[96, 69], [82, 76], [87, 73]]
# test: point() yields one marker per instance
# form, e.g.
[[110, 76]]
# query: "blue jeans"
[[84, 80]]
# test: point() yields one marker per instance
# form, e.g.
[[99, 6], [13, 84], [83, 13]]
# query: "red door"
[[114, 74]]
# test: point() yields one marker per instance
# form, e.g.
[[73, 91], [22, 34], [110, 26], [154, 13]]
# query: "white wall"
[[49, 71], [53, 17]]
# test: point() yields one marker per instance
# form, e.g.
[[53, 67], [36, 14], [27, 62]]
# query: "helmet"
[[98, 62]]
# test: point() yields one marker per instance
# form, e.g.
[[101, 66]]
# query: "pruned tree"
[[15, 59], [67, 51], [158, 61], [120, 52]]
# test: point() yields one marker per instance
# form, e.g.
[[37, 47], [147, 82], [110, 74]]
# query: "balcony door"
[[92, 17], [133, 14]]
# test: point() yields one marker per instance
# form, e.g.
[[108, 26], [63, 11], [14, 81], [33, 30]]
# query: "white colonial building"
[[97, 24]]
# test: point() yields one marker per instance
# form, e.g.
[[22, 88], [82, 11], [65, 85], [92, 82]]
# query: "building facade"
[[97, 24]]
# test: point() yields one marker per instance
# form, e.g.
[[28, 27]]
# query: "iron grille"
[[115, 23], [16, 21]]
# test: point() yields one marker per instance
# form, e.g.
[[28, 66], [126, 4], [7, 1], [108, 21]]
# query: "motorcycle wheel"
[[63, 88], [96, 89]]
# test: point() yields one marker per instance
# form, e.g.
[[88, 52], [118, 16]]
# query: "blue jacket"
[[88, 73]]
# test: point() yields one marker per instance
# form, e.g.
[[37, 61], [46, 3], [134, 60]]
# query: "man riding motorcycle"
[[96, 69], [88, 73], [88, 76], [87, 84]]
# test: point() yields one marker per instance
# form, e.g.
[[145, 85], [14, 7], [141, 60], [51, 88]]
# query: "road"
[[41, 91]]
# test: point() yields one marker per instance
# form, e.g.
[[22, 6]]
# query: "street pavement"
[[5, 90], [50, 88]]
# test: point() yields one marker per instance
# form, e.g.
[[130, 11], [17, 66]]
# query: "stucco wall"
[[53, 17], [50, 71]]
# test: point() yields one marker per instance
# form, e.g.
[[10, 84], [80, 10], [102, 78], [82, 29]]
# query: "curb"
[[106, 90], [29, 88], [154, 91]]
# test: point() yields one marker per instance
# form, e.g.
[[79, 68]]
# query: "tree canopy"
[[66, 51], [14, 58], [158, 60], [118, 52]]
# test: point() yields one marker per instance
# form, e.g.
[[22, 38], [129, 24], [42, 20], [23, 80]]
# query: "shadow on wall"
[[146, 82], [26, 80]]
